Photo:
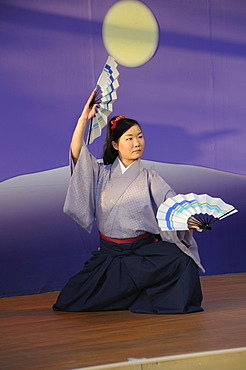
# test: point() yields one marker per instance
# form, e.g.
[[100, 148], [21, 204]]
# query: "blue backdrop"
[[189, 99]]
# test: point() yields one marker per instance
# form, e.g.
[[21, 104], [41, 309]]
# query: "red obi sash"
[[125, 240]]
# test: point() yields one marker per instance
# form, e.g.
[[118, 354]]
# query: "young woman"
[[137, 267]]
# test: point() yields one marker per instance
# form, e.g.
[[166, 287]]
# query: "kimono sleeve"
[[160, 191], [80, 198]]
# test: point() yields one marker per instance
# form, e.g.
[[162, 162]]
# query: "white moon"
[[130, 33]]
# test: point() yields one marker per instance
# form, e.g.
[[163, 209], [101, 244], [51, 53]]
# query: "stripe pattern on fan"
[[106, 87], [173, 214]]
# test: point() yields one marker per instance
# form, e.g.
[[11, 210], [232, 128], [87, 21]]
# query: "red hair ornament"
[[114, 122]]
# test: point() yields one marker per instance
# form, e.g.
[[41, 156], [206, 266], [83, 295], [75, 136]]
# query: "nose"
[[136, 143]]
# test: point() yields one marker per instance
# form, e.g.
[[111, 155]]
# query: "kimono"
[[157, 274]]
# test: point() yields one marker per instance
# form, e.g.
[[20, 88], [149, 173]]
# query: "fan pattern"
[[106, 87], [202, 210]]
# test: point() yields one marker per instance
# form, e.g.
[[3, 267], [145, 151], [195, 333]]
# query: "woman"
[[137, 267]]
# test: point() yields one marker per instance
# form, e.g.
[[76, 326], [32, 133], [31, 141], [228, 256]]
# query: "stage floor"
[[35, 337]]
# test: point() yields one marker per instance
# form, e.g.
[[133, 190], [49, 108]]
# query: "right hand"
[[88, 112], [79, 132]]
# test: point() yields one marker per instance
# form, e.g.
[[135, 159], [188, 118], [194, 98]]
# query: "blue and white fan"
[[106, 87], [173, 214]]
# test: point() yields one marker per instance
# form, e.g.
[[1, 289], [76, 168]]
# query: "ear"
[[114, 145]]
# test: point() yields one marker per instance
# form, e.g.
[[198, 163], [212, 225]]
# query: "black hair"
[[122, 125]]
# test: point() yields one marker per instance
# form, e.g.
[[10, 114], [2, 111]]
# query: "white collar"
[[122, 167]]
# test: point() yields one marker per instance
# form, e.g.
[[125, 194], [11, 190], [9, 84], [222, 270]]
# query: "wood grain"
[[35, 337]]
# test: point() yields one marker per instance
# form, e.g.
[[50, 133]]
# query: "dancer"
[[135, 265]]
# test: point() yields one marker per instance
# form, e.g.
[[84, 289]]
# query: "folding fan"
[[105, 96], [173, 214]]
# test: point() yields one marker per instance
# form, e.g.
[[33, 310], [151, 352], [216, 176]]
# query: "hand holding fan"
[[202, 210], [105, 96]]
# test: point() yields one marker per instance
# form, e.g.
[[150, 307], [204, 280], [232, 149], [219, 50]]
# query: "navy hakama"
[[145, 276]]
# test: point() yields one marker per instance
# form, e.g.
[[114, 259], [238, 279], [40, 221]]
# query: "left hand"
[[193, 223]]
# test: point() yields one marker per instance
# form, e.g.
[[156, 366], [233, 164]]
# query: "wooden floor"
[[32, 336]]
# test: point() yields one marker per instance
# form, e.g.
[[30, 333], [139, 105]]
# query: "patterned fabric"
[[123, 205]]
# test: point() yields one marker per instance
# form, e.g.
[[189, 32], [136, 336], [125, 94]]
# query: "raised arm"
[[79, 132]]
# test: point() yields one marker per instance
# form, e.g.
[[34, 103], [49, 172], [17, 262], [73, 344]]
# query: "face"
[[130, 145]]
